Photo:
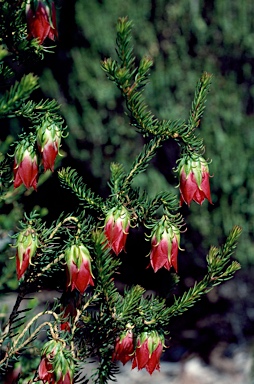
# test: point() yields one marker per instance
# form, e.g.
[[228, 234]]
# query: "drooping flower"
[[194, 181], [148, 351], [116, 229], [79, 271], [56, 366], [124, 346], [165, 243], [48, 140], [27, 243], [25, 166], [41, 20]]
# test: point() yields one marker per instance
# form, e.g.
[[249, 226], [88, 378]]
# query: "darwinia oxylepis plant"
[[92, 318]]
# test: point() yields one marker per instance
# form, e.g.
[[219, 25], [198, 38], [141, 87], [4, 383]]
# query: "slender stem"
[[141, 161], [46, 268], [13, 314], [33, 320], [53, 331], [70, 218]]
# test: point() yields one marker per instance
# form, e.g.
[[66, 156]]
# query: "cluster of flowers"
[[144, 352], [57, 366], [26, 165], [165, 236]]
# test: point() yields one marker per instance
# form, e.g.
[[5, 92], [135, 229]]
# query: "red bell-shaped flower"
[[41, 20], [165, 243], [25, 167], [79, 271], [148, 351], [45, 371], [48, 140], [117, 225], [194, 181], [124, 346], [27, 243]]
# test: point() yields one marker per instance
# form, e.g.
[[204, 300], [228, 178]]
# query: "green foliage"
[[70, 179], [219, 269], [33, 111], [18, 93]]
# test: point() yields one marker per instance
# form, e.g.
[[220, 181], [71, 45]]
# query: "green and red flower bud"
[[124, 346], [56, 366], [165, 241], [41, 20], [27, 243], [116, 229], [148, 351], [25, 167], [79, 271], [48, 140], [194, 180]]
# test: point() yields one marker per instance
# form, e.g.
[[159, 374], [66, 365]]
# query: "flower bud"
[[41, 20], [79, 271], [194, 180], [27, 243], [117, 225], [56, 366], [148, 351], [48, 140], [25, 165], [165, 243]]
